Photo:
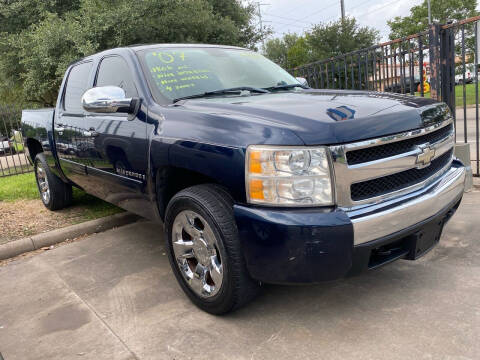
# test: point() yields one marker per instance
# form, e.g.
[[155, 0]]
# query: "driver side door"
[[116, 144]]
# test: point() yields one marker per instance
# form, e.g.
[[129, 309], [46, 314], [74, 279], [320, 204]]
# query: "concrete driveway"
[[113, 296]]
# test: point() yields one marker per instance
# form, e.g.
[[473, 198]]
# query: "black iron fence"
[[441, 63], [13, 159]]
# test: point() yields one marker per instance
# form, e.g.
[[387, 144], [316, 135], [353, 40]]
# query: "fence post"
[[448, 67], [434, 52]]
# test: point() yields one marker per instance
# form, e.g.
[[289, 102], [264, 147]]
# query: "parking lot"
[[112, 296]]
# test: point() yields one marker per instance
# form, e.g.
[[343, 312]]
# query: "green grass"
[[23, 187], [469, 94], [18, 187]]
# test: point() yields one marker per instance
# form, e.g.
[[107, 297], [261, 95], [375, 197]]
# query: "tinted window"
[[115, 71], [77, 84]]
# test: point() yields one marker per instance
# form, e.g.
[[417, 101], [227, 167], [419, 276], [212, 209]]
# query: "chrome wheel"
[[43, 183], [196, 253]]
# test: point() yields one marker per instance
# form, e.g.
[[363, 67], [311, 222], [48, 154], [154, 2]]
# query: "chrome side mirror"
[[302, 81], [108, 99]]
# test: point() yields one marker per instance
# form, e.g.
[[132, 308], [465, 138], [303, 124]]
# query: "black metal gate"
[[441, 63], [13, 159]]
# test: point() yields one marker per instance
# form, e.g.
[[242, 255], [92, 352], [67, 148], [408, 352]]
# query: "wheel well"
[[171, 180], [34, 147]]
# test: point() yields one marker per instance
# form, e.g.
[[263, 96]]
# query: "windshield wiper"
[[286, 87], [234, 90]]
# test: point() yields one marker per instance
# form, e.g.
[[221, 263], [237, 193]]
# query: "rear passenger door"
[[117, 159], [69, 124]]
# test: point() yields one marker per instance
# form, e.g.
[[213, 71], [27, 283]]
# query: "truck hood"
[[328, 116]]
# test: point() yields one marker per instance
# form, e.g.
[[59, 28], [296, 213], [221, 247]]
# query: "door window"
[[77, 84], [115, 71]]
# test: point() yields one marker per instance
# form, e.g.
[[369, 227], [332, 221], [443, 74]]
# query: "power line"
[[331, 19], [286, 18], [282, 23], [358, 5], [379, 8], [314, 13], [296, 7]]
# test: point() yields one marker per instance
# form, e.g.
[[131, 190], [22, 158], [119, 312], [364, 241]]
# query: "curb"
[[38, 241]]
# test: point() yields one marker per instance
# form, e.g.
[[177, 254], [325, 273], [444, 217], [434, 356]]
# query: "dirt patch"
[[28, 217]]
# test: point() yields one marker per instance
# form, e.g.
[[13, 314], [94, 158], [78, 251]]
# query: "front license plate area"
[[424, 240]]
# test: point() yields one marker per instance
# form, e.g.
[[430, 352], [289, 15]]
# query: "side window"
[[77, 84], [115, 71]]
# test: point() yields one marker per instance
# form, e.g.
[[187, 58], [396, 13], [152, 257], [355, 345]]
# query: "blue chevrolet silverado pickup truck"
[[256, 177]]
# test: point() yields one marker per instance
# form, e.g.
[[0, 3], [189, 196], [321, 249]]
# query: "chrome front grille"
[[371, 171], [383, 185], [395, 148]]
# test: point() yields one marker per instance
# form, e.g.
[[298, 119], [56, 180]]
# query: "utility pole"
[[429, 13], [261, 23], [342, 7]]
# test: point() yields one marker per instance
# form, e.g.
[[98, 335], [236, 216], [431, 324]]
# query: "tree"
[[278, 50], [299, 53], [321, 42], [340, 37], [18, 15], [35, 54], [441, 11]]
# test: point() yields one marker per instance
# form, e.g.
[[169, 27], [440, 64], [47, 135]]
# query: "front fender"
[[224, 165]]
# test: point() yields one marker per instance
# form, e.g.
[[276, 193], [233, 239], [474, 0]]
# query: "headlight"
[[288, 176]]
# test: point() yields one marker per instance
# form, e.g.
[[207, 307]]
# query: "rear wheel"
[[204, 249], [55, 194]]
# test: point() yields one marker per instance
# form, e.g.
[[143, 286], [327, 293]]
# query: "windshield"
[[175, 73]]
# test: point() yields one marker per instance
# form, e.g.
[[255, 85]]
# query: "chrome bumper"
[[381, 220]]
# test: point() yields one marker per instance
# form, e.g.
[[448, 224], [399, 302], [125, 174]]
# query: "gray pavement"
[[113, 296]]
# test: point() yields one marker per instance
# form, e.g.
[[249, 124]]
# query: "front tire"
[[55, 194], [204, 249]]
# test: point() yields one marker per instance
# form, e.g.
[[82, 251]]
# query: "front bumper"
[[317, 244]]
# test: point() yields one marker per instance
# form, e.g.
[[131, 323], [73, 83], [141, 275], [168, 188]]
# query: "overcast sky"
[[285, 16]]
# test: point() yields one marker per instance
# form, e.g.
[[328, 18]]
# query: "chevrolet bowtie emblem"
[[426, 155]]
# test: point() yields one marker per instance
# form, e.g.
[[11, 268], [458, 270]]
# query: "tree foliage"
[[277, 49], [321, 42], [40, 38], [441, 11]]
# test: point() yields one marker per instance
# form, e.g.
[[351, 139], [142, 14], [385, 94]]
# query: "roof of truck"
[[139, 47]]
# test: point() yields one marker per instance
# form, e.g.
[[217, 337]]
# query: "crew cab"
[[256, 177]]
